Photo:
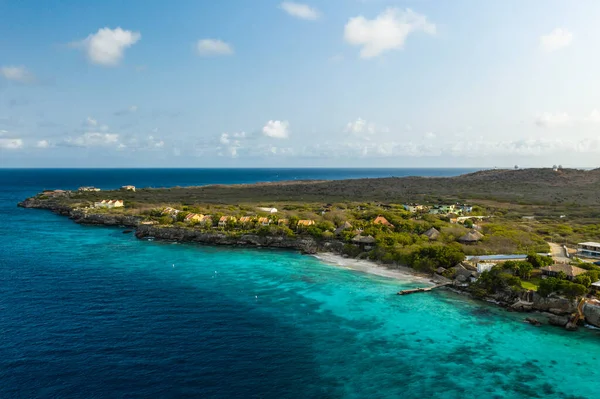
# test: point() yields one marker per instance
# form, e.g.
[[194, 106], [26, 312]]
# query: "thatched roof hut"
[[471, 237], [343, 227], [432, 233]]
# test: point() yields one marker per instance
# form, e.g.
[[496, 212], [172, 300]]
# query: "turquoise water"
[[92, 312]]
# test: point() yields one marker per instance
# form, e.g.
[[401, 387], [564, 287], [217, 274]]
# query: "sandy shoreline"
[[366, 266]]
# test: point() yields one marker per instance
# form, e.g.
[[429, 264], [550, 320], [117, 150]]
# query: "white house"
[[128, 188], [591, 249], [269, 210], [109, 204], [484, 267]]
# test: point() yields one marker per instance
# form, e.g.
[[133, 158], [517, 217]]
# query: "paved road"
[[558, 253]]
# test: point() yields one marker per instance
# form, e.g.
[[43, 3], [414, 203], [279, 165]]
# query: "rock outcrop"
[[306, 245], [591, 311], [554, 305]]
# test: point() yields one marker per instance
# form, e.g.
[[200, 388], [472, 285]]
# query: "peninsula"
[[450, 228]]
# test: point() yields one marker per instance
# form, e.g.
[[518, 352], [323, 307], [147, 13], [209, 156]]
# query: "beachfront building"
[[128, 188], [570, 271], [364, 242], [305, 223], [383, 221], [109, 204], [413, 208], [245, 220], [443, 209], [226, 219], [464, 208], [264, 221], [193, 218], [590, 249], [89, 188], [484, 267], [268, 210], [171, 212]]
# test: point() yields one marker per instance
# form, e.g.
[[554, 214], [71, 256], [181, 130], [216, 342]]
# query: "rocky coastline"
[[555, 310]]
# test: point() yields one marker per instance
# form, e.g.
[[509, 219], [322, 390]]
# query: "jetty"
[[423, 289]]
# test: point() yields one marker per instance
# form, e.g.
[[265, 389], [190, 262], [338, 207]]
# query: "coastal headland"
[[424, 225]]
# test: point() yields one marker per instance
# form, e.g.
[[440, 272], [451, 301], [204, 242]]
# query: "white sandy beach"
[[366, 266]]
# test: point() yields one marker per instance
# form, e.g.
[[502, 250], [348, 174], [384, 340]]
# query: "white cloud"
[[430, 135], [91, 121], [548, 119], [155, 142], [388, 31], [276, 129], [213, 47], [361, 128], [17, 74], [556, 40], [299, 10], [594, 116], [107, 46], [94, 139], [11, 144], [42, 144]]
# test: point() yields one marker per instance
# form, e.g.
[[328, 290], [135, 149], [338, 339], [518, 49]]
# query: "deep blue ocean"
[[90, 312]]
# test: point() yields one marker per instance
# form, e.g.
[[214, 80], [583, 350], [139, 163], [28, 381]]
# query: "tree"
[[165, 220], [547, 286], [583, 279], [538, 261], [561, 275], [593, 275]]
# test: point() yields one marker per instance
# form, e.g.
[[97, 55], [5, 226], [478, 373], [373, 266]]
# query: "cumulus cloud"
[[18, 74], [548, 119], [91, 121], [230, 143], [107, 46], [42, 144], [556, 40], [213, 47], [594, 116], [360, 128], [388, 31], [276, 129], [11, 144], [299, 10], [94, 139], [430, 135]]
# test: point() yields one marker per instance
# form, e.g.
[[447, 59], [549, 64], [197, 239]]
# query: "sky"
[[265, 83]]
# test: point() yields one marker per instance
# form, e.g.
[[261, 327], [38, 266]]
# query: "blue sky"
[[288, 84]]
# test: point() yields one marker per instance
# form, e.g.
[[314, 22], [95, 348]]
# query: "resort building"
[[484, 267], [283, 222], [264, 221], [171, 211], [383, 221], [413, 207], [246, 220], [591, 249], [226, 219], [109, 204], [443, 209], [128, 188], [343, 227], [568, 270], [54, 193], [305, 223], [472, 237], [432, 233], [88, 189], [269, 210], [193, 217]]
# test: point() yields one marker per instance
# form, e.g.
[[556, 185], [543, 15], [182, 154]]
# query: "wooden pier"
[[423, 289]]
